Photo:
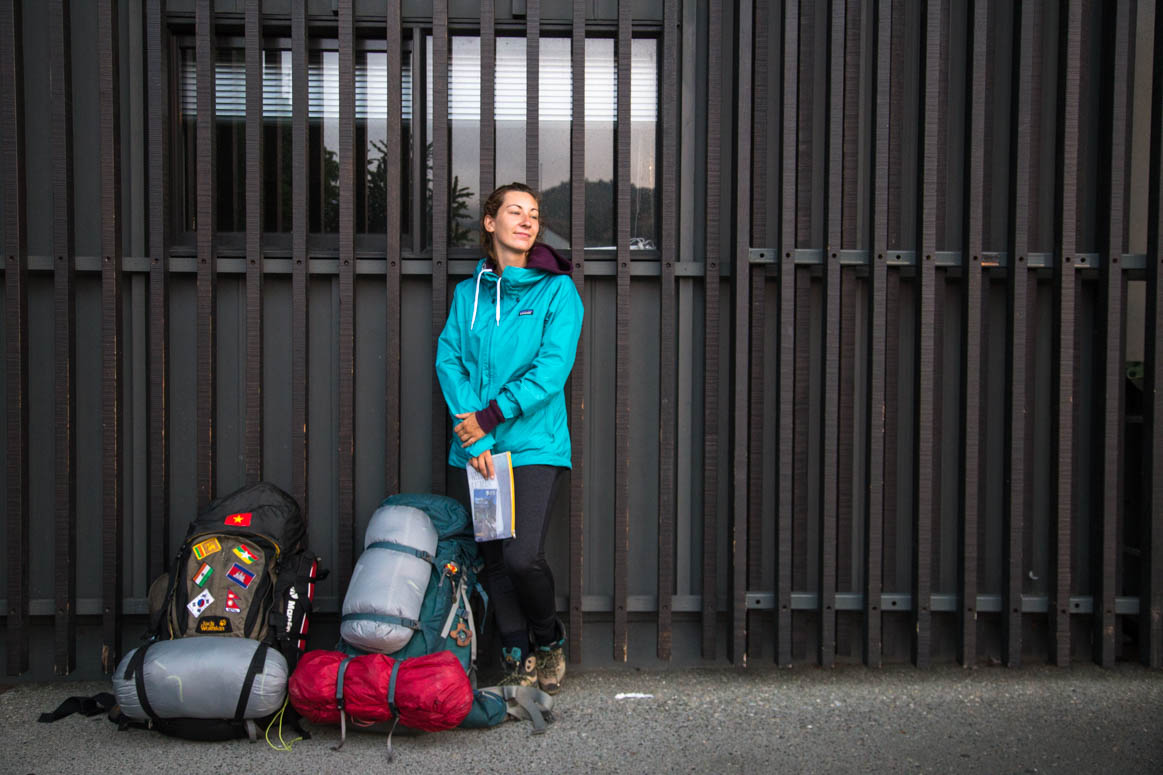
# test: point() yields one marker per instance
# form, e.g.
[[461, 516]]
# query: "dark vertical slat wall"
[[577, 385], [394, 258], [926, 466], [667, 354], [741, 414], [974, 384], [622, 336], [1104, 547], [850, 351], [440, 178], [15, 332], [157, 70], [345, 515], [1151, 602], [300, 268], [1065, 321], [207, 286], [830, 446], [757, 321], [787, 338], [112, 339], [253, 432], [714, 162], [65, 342]]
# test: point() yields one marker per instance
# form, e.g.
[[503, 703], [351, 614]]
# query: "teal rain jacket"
[[512, 339]]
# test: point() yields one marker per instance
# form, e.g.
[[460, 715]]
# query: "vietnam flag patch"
[[245, 553], [238, 520]]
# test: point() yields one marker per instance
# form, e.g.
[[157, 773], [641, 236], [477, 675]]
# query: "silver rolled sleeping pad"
[[390, 578], [201, 677]]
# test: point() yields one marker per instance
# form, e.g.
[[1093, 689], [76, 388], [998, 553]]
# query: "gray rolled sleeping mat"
[[382, 606], [203, 677]]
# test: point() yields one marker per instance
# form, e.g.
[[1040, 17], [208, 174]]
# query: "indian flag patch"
[[203, 574], [245, 553]]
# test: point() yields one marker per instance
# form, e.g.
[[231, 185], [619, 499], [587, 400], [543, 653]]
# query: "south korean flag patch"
[[200, 603]]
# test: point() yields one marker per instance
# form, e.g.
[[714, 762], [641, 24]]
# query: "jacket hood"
[[541, 257]]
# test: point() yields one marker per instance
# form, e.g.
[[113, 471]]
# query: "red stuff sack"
[[431, 692]]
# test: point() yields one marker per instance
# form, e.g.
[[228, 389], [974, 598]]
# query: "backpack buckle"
[[462, 634]]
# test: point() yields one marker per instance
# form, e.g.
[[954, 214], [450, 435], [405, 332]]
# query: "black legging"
[[517, 578]]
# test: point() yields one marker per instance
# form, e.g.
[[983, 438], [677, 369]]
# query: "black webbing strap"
[[136, 670], [257, 663], [86, 706]]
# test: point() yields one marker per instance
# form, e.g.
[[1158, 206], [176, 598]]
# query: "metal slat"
[[112, 447], [1065, 323], [926, 415], [973, 385], [711, 329], [1017, 425], [254, 261], [850, 177], [15, 330], [207, 283], [1112, 290], [345, 516], [830, 449], [741, 410], [300, 270], [488, 94], [578, 430], [667, 364], [1151, 613], [761, 91], [785, 440], [757, 321], [440, 178], [420, 157], [393, 217], [157, 69], [802, 401], [532, 93], [622, 338], [64, 342]]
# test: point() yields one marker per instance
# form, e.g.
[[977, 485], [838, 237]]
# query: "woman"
[[502, 361]]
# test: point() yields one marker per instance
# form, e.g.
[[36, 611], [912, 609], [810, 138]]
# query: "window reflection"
[[278, 143]]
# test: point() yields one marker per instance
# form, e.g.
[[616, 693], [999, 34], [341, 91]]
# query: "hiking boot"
[[519, 670], [551, 663]]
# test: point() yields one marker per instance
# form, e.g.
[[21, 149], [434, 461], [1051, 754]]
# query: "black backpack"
[[243, 571]]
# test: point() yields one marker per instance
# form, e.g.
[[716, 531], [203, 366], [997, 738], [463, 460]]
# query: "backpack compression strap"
[[392, 705], [397, 547], [339, 702], [257, 663], [136, 670]]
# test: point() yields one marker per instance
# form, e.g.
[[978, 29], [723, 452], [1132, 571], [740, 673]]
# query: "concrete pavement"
[[850, 719]]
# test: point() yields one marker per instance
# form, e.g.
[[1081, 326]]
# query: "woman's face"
[[516, 226]]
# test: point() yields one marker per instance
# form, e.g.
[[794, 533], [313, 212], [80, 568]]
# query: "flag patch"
[[245, 553], [240, 575], [232, 606], [203, 574], [200, 603], [213, 625], [239, 520], [206, 548], [525, 312]]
